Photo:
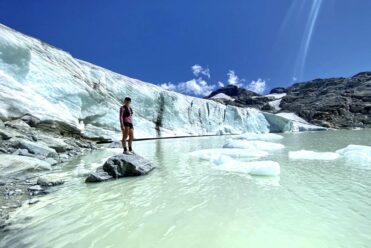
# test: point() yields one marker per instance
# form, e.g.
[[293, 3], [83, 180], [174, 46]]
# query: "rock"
[[14, 163], [35, 188], [2, 183], [278, 90], [33, 201], [36, 148], [127, 165], [48, 181], [121, 166], [22, 152], [5, 135], [98, 176], [51, 161], [332, 102], [31, 120], [1, 124], [17, 124], [57, 144]]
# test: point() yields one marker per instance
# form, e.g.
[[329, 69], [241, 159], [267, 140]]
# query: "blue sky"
[[257, 44]]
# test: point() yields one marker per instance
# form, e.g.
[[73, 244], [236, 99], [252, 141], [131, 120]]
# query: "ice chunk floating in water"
[[253, 145], [260, 136], [208, 154], [255, 168], [311, 155], [357, 153]]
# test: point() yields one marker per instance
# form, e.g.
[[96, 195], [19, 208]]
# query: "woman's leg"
[[131, 138], [125, 133]]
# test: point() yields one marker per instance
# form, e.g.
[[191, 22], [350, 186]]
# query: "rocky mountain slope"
[[332, 102]]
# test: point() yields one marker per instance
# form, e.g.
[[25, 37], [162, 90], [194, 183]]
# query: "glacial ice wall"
[[48, 83]]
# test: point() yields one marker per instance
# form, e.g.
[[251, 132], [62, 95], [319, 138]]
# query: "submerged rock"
[[121, 166], [99, 176]]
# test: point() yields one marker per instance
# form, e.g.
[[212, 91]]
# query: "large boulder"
[[127, 165], [121, 166], [14, 163], [36, 148]]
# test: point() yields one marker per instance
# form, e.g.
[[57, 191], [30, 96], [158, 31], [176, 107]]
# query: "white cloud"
[[220, 84], [294, 78], [168, 86], [233, 78], [196, 87], [257, 86], [199, 70]]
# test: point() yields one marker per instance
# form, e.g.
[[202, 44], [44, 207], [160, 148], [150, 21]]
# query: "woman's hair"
[[127, 99]]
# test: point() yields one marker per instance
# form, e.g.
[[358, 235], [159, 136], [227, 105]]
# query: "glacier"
[[43, 81]]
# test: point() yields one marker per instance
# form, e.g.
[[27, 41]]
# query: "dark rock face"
[[242, 97], [278, 90], [333, 102], [121, 166]]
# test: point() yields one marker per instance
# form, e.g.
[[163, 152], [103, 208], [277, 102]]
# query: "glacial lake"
[[188, 202]]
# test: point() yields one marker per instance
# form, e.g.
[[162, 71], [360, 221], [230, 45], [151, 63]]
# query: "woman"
[[126, 121]]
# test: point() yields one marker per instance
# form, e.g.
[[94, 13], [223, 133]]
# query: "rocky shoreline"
[[29, 150]]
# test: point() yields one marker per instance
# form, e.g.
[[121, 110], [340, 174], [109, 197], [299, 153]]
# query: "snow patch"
[[275, 104], [292, 117], [276, 95], [222, 96], [312, 155]]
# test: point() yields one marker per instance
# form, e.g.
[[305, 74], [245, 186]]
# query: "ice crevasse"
[[48, 83]]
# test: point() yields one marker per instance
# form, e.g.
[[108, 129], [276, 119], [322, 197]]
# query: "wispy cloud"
[[233, 79], [199, 70]]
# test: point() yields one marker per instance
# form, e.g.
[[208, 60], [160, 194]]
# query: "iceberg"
[[253, 145], [40, 80], [357, 153], [260, 136], [255, 168], [208, 154], [311, 155]]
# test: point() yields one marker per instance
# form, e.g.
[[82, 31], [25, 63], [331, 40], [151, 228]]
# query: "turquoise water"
[[186, 202]]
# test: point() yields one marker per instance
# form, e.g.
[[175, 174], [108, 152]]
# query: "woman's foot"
[[128, 152]]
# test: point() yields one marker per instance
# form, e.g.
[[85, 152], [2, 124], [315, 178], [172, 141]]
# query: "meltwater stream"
[[188, 202]]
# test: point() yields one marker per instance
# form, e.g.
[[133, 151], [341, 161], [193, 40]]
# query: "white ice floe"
[[255, 168], [260, 136], [264, 168], [358, 153], [208, 154], [253, 145], [311, 155]]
